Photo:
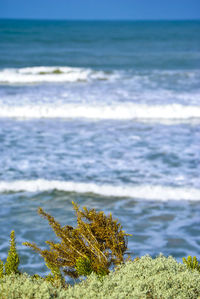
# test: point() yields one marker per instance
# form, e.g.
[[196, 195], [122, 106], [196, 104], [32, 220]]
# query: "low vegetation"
[[89, 250], [192, 263], [12, 262], [94, 245], [145, 278]]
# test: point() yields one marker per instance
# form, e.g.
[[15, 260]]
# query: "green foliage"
[[23, 286], [1, 269], [54, 270], [95, 244], [83, 266], [56, 277], [191, 263], [144, 278], [12, 262]]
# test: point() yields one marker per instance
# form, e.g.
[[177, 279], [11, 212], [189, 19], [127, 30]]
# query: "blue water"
[[106, 114]]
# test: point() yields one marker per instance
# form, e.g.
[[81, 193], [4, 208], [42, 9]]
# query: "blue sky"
[[100, 9]]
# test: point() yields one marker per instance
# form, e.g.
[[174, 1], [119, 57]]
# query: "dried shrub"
[[94, 245]]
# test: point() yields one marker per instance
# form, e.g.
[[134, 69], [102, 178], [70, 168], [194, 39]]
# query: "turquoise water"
[[106, 114]]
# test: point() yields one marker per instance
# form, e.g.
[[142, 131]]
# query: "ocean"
[[106, 114]]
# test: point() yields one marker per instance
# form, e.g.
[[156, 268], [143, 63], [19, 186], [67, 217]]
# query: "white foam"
[[125, 111], [40, 74], [148, 192], [51, 74]]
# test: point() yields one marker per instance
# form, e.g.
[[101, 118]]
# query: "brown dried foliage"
[[96, 237]]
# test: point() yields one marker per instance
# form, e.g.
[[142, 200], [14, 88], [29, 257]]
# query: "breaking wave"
[[52, 74], [39, 74], [125, 111], [148, 192]]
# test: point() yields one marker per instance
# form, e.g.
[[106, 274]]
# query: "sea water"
[[106, 114]]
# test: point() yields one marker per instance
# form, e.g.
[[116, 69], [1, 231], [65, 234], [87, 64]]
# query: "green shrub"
[[191, 263], [140, 279], [55, 277], [83, 266], [1, 269], [12, 261], [144, 278], [22, 286]]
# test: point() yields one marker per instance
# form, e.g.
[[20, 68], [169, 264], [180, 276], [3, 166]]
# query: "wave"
[[52, 74], [148, 192], [126, 111], [39, 74]]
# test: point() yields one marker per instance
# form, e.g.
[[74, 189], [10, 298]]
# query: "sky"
[[100, 9]]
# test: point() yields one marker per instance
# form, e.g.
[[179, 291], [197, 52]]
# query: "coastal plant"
[[83, 266], [12, 261], [1, 269], [192, 263], [94, 245], [55, 277], [23, 286], [144, 278]]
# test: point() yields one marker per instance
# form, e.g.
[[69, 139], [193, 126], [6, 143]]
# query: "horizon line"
[[98, 20]]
